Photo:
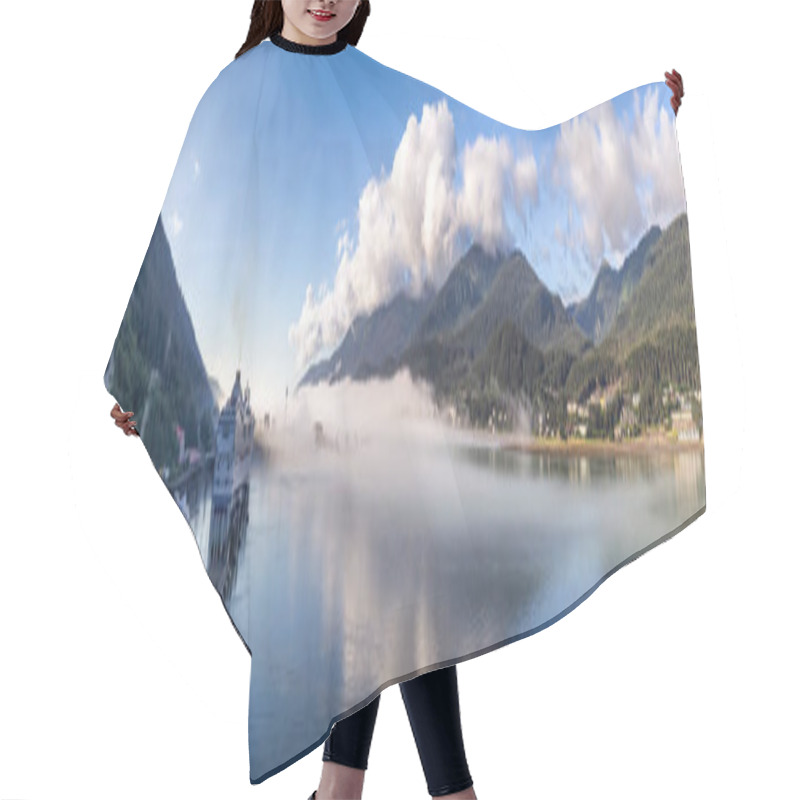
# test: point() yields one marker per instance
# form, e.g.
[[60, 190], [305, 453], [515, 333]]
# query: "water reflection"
[[368, 564]]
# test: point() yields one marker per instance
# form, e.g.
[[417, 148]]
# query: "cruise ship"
[[230, 486]]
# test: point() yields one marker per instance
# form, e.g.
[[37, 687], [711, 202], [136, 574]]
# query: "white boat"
[[231, 482]]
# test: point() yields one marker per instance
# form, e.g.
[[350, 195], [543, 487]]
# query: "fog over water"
[[395, 541]]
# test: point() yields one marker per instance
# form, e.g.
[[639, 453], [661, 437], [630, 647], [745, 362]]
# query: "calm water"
[[367, 564]]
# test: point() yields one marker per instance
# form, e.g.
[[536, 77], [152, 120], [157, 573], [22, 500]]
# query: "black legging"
[[432, 706]]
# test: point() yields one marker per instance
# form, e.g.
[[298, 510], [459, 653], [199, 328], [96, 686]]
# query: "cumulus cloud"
[[656, 157], [622, 175], [413, 222]]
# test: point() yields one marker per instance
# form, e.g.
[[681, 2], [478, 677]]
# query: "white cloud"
[[656, 156], [621, 178], [413, 220]]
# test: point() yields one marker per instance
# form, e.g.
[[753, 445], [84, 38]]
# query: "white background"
[[120, 673]]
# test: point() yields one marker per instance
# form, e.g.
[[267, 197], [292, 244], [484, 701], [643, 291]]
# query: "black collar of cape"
[[310, 49]]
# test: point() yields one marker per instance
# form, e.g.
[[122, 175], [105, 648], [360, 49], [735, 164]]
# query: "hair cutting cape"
[[418, 380]]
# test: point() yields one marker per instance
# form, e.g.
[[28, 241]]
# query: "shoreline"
[[576, 446]]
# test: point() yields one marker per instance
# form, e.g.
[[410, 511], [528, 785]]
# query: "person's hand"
[[675, 82], [122, 419]]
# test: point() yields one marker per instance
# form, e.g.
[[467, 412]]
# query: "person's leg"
[[346, 753], [433, 710]]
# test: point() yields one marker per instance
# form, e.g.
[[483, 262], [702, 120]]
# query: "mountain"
[[494, 337], [372, 340], [440, 335], [612, 288], [663, 296], [463, 291], [653, 337], [155, 368], [511, 360], [518, 295]]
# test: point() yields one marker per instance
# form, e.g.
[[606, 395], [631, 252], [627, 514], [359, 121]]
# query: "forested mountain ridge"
[[494, 339], [612, 288], [155, 368]]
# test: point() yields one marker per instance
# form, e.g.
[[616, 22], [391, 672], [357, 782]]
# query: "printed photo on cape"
[[419, 385]]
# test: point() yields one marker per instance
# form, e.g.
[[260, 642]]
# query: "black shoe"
[[313, 795]]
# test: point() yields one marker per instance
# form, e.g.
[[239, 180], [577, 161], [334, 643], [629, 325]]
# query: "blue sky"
[[274, 266]]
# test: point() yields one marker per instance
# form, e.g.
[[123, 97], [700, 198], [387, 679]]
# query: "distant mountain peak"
[[612, 287]]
